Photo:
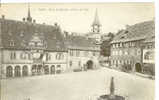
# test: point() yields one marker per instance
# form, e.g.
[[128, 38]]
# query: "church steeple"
[[29, 18], [96, 23]]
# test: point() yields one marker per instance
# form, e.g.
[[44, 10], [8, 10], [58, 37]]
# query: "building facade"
[[83, 53], [149, 55], [28, 48], [127, 46], [105, 49]]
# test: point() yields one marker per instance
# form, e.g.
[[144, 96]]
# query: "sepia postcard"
[[77, 51]]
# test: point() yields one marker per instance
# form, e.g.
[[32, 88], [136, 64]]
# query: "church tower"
[[29, 18], [96, 23]]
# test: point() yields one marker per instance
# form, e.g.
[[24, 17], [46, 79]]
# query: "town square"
[[54, 52]]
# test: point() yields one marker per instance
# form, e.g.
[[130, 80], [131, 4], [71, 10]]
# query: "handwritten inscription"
[[63, 9]]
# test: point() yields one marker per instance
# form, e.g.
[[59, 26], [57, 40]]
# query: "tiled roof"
[[150, 39], [21, 33], [80, 42], [136, 32]]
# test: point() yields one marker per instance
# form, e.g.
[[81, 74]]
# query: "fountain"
[[112, 95]]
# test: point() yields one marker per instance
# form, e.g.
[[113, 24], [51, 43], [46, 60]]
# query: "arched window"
[[149, 55], [59, 56]]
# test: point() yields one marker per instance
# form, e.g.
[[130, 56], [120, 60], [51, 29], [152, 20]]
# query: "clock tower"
[[96, 23]]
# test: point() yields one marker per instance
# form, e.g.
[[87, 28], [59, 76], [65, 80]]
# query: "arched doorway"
[[53, 69], [25, 70], [58, 69], [89, 64], [46, 69], [34, 70], [39, 70], [9, 72], [17, 71], [138, 67]]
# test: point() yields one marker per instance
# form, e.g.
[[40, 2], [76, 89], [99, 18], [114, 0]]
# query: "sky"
[[78, 17]]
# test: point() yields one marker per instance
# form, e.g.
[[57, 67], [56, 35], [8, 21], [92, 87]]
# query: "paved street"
[[77, 86]]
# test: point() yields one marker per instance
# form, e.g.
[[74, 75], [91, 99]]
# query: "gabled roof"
[[80, 42], [138, 31], [21, 33]]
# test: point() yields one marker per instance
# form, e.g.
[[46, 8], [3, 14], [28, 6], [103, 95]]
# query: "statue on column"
[[112, 88]]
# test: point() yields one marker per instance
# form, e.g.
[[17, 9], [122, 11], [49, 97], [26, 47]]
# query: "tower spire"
[[29, 18], [96, 19], [96, 23]]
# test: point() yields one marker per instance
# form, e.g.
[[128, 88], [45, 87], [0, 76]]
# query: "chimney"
[[3, 16], [23, 19]]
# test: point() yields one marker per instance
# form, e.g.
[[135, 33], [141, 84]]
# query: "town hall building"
[[28, 48]]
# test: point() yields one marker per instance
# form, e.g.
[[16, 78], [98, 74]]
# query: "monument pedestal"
[[109, 97]]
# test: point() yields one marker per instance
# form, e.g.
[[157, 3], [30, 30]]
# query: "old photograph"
[[77, 51]]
